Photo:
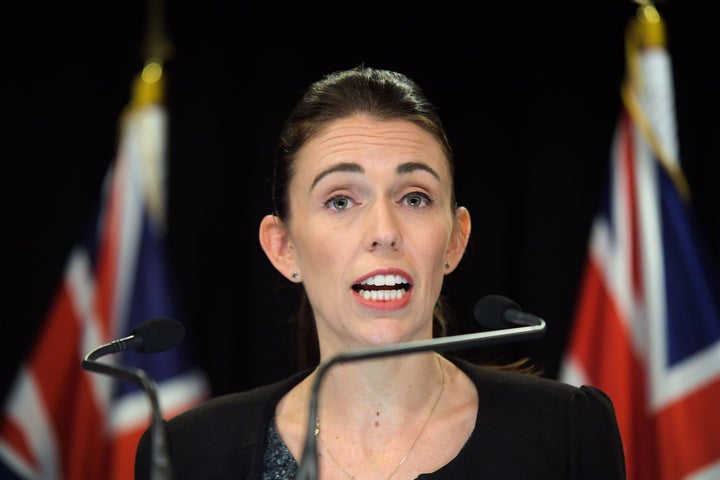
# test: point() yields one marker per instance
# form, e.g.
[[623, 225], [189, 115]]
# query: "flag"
[[60, 422], [647, 321]]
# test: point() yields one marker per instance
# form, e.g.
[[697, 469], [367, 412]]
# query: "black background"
[[529, 96]]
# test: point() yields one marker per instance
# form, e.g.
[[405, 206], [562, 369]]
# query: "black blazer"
[[528, 428]]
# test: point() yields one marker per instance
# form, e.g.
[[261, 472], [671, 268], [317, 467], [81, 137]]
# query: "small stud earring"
[[295, 275], [447, 265]]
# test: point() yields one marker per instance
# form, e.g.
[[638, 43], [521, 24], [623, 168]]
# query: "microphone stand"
[[161, 467], [308, 469]]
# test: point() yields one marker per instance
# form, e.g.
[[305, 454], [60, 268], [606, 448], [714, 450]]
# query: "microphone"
[[495, 312], [152, 336]]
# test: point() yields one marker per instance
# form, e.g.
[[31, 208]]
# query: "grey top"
[[278, 462]]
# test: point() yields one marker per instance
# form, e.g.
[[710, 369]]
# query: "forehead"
[[361, 138]]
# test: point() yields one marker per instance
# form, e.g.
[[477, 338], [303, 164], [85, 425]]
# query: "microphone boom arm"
[[161, 461]]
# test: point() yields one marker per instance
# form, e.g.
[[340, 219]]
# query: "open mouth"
[[383, 288]]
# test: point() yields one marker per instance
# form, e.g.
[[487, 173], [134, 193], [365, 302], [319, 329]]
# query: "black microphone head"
[[490, 311], [158, 335]]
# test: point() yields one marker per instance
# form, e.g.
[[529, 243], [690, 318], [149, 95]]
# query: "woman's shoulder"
[[534, 396], [251, 404], [220, 434], [566, 430]]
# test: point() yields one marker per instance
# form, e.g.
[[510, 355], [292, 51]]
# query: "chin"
[[387, 331]]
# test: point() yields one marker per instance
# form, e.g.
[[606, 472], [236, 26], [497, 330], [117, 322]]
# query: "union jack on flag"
[[60, 422], [647, 323]]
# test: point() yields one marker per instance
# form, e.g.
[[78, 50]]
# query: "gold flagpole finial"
[[647, 29]]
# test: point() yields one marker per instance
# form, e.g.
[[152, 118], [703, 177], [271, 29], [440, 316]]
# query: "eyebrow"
[[412, 166], [340, 167], [350, 167]]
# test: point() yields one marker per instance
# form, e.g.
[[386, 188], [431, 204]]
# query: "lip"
[[390, 304]]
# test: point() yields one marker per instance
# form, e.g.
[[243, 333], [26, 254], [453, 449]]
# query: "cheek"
[[430, 254], [323, 261], [318, 252], [436, 244]]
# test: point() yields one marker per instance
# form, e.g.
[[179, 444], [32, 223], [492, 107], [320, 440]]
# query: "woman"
[[366, 221]]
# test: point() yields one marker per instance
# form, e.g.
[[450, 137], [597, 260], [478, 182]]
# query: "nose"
[[383, 227]]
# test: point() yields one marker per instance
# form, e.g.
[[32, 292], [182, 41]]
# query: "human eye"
[[417, 200], [338, 202]]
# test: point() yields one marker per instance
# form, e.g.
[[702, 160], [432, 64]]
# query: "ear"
[[274, 241], [459, 239]]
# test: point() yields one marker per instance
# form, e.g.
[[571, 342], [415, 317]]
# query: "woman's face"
[[371, 230]]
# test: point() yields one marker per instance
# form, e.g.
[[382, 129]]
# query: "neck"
[[394, 386], [375, 422]]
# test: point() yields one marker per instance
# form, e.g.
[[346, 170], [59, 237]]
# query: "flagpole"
[[157, 46], [148, 88], [156, 50]]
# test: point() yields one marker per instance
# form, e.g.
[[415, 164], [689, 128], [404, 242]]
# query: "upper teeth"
[[381, 280]]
